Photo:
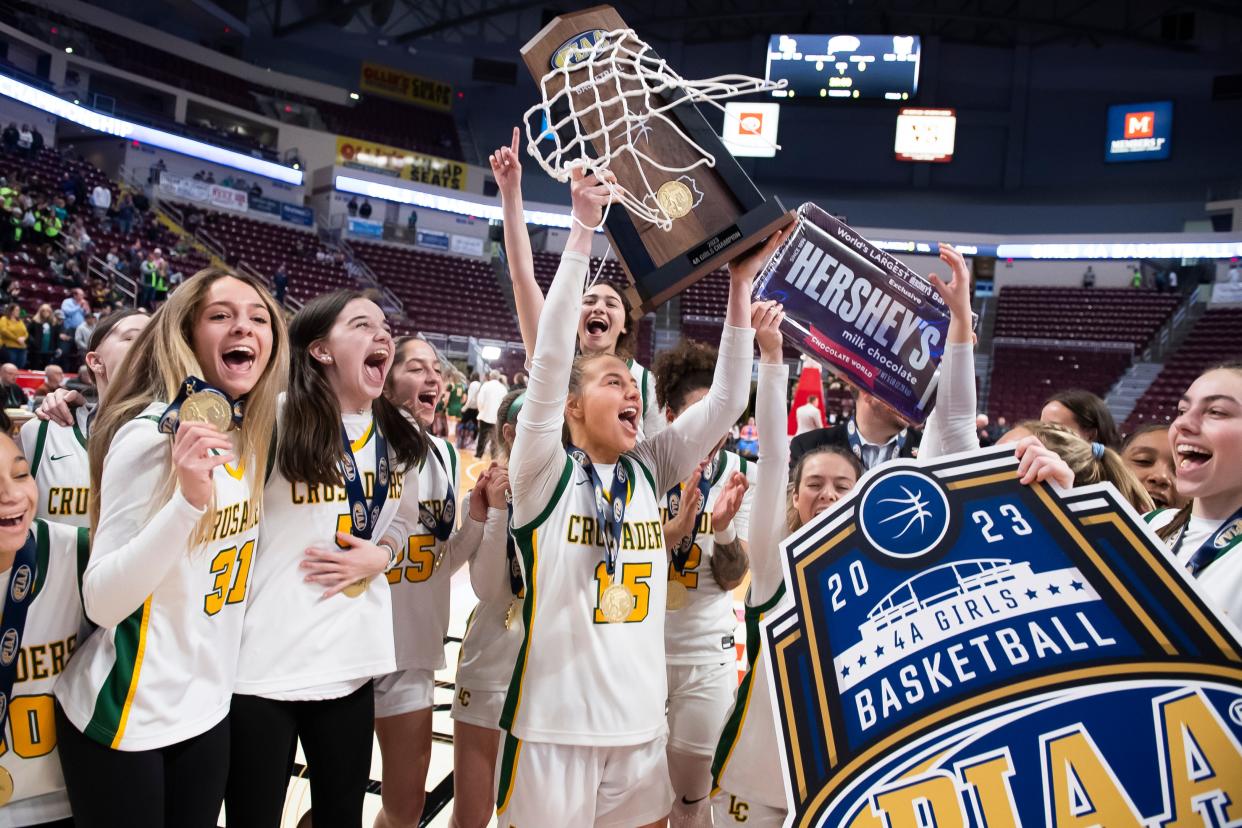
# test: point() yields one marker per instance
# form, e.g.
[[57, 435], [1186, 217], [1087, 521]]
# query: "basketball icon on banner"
[[962, 650]]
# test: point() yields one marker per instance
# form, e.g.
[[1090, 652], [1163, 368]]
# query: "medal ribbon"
[[682, 553], [364, 516], [16, 604], [516, 584], [441, 527], [856, 441], [610, 519], [194, 385], [1213, 547]]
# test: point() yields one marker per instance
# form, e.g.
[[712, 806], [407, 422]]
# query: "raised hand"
[[766, 318], [498, 488], [589, 196], [680, 526], [729, 501], [507, 167], [956, 294], [197, 449], [747, 266]]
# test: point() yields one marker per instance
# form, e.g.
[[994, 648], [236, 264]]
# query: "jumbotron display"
[[852, 67]]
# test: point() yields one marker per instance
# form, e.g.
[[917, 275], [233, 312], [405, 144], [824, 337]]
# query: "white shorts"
[[699, 699], [728, 809], [579, 785], [404, 692], [478, 707]]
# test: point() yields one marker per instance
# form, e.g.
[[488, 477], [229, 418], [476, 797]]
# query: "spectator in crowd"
[[125, 214], [808, 416], [36, 142], [200, 176], [280, 281], [352, 206], [469, 425], [748, 440], [11, 394], [101, 200], [1136, 278], [1088, 278], [13, 335], [983, 430], [489, 397], [53, 379], [82, 382], [412, 221], [42, 339], [1173, 280], [365, 210], [153, 177], [82, 334], [8, 139], [1235, 272], [75, 308], [25, 140], [211, 177]]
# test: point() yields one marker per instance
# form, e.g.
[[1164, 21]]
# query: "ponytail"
[[1091, 462]]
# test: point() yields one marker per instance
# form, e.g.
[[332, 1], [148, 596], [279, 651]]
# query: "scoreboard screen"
[[850, 67], [1139, 132]]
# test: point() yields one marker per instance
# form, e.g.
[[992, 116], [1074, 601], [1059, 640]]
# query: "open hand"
[[729, 501]]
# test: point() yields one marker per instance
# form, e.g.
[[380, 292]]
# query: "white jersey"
[[166, 672], [1220, 581], [53, 624], [299, 645], [494, 630], [702, 631], [60, 467], [595, 683], [420, 585], [747, 761], [652, 422]]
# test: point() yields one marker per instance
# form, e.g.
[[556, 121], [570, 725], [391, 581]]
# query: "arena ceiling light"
[[402, 195], [39, 99]]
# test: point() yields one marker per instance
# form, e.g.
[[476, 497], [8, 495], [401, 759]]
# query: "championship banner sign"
[[962, 650], [862, 313], [378, 79], [400, 163]]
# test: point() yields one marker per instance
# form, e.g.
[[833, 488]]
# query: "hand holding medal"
[[348, 569]]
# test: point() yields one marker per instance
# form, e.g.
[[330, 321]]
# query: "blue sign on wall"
[[1139, 132], [962, 650]]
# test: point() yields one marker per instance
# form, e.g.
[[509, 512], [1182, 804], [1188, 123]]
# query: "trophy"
[[611, 105]]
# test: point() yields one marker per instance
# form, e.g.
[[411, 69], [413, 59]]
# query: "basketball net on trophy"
[[609, 95]]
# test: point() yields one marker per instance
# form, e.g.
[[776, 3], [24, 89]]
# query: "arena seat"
[[1092, 334], [1213, 339]]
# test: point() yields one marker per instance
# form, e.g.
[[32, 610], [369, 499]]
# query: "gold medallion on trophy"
[[675, 199], [207, 407]]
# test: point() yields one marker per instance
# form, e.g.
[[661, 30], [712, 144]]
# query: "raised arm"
[[527, 296], [536, 462], [951, 426], [767, 517], [674, 452]]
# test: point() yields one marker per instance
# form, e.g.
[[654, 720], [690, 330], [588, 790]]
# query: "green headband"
[[512, 414]]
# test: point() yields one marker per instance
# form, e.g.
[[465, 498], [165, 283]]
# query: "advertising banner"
[[190, 189], [863, 314], [433, 240], [401, 163], [294, 214], [377, 79], [962, 650]]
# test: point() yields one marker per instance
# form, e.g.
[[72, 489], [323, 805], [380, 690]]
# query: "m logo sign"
[[1140, 124]]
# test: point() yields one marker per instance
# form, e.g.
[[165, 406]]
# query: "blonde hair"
[[1091, 462], [162, 355]]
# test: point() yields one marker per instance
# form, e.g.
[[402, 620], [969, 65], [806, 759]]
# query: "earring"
[[326, 360]]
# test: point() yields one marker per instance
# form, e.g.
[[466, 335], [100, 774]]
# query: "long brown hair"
[[161, 356], [1091, 413], [627, 342], [309, 448], [793, 521]]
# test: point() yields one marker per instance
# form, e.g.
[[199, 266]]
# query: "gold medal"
[[357, 587], [512, 612], [675, 198], [616, 603], [678, 596], [6, 787], [206, 407]]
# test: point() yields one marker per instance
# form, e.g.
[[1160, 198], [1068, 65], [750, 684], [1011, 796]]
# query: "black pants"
[[487, 436], [179, 786], [336, 737]]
